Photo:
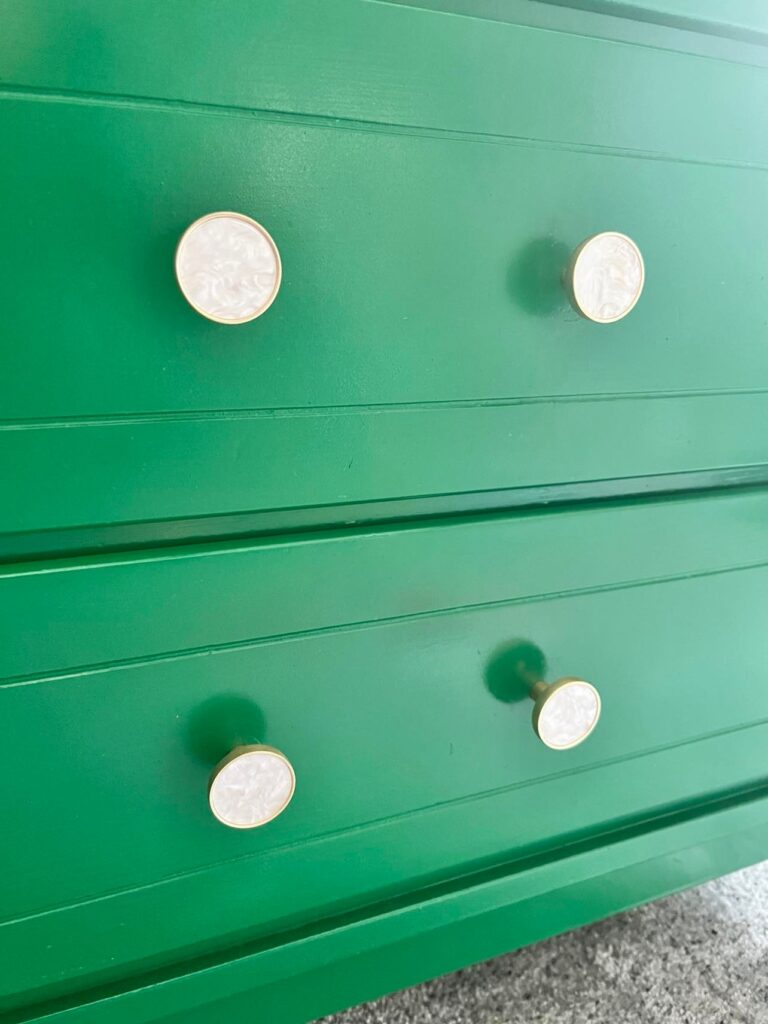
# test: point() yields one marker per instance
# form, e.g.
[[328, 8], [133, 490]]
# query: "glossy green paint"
[[425, 175], [395, 696], [692, 20], [59, 616], [365, 61], [399, 944], [735, 18], [421, 344]]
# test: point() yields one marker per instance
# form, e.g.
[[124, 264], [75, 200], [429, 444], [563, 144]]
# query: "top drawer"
[[421, 344]]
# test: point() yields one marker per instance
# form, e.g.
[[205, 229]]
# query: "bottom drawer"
[[392, 668]]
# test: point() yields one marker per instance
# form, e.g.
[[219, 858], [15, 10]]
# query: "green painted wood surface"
[[425, 175], [720, 17], [388, 691], [370, 61], [421, 345], [63, 615], [722, 29], [736, 19], [310, 973]]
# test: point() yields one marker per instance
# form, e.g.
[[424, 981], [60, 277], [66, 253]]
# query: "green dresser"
[[307, 571]]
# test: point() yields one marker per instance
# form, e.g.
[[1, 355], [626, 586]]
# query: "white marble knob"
[[565, 713], [251, 786], [228, 267], [605, 277]]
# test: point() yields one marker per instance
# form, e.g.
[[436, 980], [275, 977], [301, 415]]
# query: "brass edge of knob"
[[543, 694]]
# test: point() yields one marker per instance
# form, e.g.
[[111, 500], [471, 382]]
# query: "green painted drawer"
[[421, 345], [135, 674], [425, 174]]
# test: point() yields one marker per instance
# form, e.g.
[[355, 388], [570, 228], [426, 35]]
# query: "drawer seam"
[[93, 669]]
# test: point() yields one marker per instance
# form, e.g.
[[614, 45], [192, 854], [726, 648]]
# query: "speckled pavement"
[[700, 957]]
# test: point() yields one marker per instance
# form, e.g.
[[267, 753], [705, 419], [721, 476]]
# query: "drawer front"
[[421, 345], [396, 703]]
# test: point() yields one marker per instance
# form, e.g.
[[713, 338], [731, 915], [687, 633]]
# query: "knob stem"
[[539, 689]]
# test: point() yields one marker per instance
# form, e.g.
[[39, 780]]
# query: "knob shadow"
[[513, 670], [535, 278], [218, 725]]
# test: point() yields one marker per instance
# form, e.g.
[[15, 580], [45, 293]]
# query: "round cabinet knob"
[[251, 786], [605, 277], [565, 712], [228, 268]]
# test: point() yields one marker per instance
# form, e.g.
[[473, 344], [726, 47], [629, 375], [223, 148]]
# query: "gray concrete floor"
[[700, 957]]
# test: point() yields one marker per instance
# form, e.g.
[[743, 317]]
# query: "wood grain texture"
[[392, 64]]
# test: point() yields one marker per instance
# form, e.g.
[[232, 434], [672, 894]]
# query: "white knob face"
[[228, 268], [606, 277], [567, 714], [251, 787]]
